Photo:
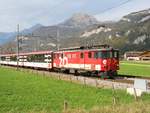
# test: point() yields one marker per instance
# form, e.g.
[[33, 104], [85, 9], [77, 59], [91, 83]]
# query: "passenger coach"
[[41, 59]]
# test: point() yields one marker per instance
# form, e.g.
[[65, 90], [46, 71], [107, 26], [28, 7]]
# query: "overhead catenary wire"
[[116, 6]]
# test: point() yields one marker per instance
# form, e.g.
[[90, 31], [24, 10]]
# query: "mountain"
[[41, 37], [72, 27], [137, 17], [30, 30], [10, 36], [65, 33], [5, 37], [130, 33], [80, 20]]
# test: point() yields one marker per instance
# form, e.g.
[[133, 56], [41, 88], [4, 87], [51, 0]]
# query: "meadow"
[[135, 68], [24, 92]]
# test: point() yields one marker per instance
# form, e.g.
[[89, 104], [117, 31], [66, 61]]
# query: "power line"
[[116, 6]]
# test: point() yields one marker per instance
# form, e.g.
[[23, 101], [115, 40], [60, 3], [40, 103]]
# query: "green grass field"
[[135, 68], [23, 92]]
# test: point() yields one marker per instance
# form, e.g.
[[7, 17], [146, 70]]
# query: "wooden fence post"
[[135, 94], [70, 78], [84, 81], [37, 72], [59, 76], [77, 78], [114, 97], [43, 73], [96, 83], [65, 105]]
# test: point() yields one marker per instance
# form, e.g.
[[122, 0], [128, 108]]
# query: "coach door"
[[82, 60]]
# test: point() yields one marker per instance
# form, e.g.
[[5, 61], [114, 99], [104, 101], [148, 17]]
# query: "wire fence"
[[87, 81], [94, 82]]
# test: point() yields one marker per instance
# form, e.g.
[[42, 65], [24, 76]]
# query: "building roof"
[[133, 54], [145, 54]]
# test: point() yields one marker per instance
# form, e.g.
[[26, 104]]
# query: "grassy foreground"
[[135, 68], [23, 92]]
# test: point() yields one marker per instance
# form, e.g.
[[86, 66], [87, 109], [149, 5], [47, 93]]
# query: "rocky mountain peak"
[[137, 17], [80, 20]]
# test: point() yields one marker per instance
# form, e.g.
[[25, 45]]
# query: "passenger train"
[[100, 60]]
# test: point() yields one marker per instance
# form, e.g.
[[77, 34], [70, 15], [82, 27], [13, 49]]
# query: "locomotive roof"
[[88, 48], [77, 50]]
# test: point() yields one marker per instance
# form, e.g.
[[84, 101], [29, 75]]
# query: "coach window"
[[81, 55], [3, 58], [89, 55], [13, 58]]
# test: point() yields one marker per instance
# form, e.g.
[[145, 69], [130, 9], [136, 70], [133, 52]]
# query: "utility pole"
[[57, 38], [0, 55], [17, 46]]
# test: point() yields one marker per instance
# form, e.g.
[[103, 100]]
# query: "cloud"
[[119, 12], [22, 12], [48, 12]]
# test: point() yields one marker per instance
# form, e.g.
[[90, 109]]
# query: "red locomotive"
[[100, 60]]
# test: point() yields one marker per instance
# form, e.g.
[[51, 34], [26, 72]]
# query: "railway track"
[[132, 78], [120, 82]]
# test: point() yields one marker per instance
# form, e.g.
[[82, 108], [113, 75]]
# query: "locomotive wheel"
[[67, 71], [76, 73], [104, 75]]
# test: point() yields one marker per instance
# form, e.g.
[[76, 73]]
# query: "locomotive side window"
[[81, 55], [69, 56], [73, 55], [116, 54], [89, 55], [96, 55]]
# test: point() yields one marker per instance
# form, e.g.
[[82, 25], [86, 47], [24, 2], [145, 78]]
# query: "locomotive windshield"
[[106, 54], [102, 54]]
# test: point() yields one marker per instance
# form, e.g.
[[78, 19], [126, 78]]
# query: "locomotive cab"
[[109, 61]]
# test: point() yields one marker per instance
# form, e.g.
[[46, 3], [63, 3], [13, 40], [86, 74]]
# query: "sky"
[[27, 13]]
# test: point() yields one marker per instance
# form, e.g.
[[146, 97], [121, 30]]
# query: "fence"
[[95, 82]]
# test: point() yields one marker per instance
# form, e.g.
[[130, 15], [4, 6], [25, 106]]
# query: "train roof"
[[28, 53], [71, 49], [87, 48]]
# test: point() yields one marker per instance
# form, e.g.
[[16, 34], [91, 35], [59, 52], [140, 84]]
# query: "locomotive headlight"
[[104, 62]]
